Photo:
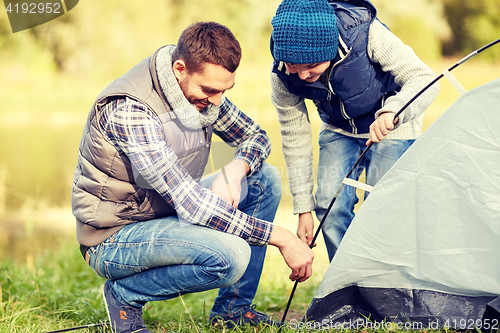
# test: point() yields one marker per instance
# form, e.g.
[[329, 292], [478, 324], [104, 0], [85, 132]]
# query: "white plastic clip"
[[454, 82], [356, 184]]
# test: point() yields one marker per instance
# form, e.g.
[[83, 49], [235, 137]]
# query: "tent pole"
[[79, 328], [320, 226]]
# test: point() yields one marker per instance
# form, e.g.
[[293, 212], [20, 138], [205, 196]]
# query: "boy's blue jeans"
[[337, 156], [163, 258]]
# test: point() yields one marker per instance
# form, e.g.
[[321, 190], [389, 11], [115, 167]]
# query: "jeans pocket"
[[116, 271]]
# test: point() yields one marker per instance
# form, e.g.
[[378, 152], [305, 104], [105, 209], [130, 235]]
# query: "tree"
[[473, 24]]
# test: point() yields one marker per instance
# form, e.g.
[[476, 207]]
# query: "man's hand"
[[381, 127], [227, 184], [305, 229], [298, 256]]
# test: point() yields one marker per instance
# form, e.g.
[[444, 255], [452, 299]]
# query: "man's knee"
[[238, 257], [271, 179]]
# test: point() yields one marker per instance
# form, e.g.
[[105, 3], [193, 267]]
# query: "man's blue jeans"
[[337, 156], [163, 258]]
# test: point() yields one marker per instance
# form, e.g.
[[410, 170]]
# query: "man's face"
[[205, 86], [308, 72]]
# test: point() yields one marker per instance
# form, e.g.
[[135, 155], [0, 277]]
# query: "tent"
[[423, 251]]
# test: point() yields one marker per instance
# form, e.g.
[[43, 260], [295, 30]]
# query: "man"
[[144, 221], [359, 75]]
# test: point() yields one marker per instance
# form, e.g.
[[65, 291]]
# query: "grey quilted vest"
[[107, 192]]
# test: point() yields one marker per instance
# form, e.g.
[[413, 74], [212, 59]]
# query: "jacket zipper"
[[330, 92], [337, 63]]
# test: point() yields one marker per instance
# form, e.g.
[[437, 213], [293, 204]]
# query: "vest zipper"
[[342, 58], [205, 134], [342, 107]]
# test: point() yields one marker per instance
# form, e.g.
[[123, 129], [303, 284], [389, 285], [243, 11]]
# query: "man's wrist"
[[278, 236], [242, 167], [246, 167]]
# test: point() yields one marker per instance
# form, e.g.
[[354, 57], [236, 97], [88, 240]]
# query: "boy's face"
[[205, 86], [308, 72]]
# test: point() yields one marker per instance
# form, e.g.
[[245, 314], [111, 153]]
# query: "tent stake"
[[320, 226]]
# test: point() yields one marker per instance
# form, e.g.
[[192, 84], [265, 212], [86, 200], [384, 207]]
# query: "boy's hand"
[[381, 127], [305, 229]]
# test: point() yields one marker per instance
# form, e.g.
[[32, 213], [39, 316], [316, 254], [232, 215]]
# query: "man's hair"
[[208, 42]]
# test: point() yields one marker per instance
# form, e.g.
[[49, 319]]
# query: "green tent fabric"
[[424, 249]]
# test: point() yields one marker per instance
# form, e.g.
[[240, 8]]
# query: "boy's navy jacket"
[[358, 87]]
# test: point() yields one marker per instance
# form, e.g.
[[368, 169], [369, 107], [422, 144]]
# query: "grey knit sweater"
[[395, 57]]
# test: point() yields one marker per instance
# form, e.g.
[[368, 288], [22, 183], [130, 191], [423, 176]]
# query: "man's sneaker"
[[122, 318], [248, 316]]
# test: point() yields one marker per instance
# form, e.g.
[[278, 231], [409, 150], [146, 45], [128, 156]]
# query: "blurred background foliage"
[[473, 24], [95, 34], [52, 73]]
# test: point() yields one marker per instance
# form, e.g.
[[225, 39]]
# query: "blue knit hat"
[[305, 32]]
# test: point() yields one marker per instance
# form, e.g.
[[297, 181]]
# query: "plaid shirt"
[[137, 132]]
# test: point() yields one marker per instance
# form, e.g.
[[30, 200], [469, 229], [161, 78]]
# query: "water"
[[38, 163]]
